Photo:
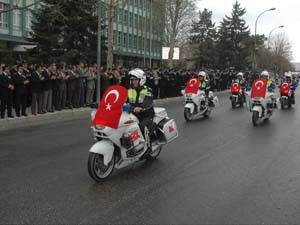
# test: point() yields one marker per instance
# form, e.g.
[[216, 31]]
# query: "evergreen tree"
[[203, 39], [234, 35], [66, 30]]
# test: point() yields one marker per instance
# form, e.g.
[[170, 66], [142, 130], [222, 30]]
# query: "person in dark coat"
[[37, 91], [6, 93], [20, 82]]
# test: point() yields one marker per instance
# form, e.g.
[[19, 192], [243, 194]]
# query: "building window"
[[120, 16], [136, 20], [130, 41], [28, 20], [17, 19], [3, 16], [135, 42], [119, 38], [125, 17], [125, 40], [130, 19]]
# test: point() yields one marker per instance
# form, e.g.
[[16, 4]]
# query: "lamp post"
[[271, 33], [99, 52], [254, 55]]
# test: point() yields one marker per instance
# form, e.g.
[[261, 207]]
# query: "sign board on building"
[[165, 53]]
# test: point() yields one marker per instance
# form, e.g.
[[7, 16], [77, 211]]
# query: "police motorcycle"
[[261, 100], [117, 134], [287, 90], [197, 104], [237, 93]]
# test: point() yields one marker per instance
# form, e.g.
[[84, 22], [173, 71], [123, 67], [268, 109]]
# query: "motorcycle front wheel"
[[233, 103], [97, 169], [255, 118], [187, 115]]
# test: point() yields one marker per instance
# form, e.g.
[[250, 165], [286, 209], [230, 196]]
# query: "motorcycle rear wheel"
[[255, 118], [153, 156], [97, 170]]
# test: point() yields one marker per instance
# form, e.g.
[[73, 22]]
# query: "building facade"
[[15, 26], [138, 33]]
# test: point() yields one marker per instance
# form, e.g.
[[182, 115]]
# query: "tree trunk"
[[110, 34], [171, 53]]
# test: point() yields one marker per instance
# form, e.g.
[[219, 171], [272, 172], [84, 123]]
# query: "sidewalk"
[[64, 115]]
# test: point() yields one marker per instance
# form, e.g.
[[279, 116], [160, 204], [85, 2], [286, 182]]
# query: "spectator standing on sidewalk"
[[6, 92], [62, 89], [47, 90], [37, 91], [90, 85], [20, 83]]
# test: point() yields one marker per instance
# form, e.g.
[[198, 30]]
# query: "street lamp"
[[99, 52], [271, 33], [254, 55]]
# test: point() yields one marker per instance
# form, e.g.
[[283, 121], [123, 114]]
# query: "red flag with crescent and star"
[[235, 88], [259, 88], [285, 88], [110, 109], [192, 86]]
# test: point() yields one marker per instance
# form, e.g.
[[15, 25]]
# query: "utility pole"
[[99, 52], [151, 30]]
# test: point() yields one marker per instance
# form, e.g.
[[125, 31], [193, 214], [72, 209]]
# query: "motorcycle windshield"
[[110, 108]]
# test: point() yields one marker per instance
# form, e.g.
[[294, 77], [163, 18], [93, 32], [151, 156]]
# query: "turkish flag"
[[192, 86], [110, 109], [259, 88], [285, 88], [235, 88]]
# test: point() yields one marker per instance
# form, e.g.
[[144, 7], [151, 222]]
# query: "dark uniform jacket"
[[5, 81]]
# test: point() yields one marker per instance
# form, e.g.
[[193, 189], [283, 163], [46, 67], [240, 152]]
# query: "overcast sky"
[[287, 13]]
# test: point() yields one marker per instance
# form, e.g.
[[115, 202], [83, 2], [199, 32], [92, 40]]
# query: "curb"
[[65, 115]]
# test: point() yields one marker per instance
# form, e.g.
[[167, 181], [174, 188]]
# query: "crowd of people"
[[48, 88]]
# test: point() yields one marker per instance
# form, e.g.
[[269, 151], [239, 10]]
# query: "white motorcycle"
[[262, 108], [198, 105], [121, 147]]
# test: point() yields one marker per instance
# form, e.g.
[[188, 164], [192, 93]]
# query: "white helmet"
[[265, 74], [139, 74], [240, 74], [202, 74], [288, 75]]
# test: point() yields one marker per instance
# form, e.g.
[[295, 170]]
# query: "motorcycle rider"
[[204, 86], [140, 97], [240, 80], [270, 85], [270, 88], [289, 79]]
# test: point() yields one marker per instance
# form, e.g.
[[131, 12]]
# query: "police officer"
[[240, 80], [140, 97], [205, 86], [6, 92], [265, 74]]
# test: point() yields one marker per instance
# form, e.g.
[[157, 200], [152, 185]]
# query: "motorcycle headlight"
[[99, 127]]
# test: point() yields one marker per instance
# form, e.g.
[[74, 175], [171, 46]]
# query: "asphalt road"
[[220, 170]]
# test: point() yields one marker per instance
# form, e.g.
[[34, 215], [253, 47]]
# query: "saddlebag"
[[168, 130]]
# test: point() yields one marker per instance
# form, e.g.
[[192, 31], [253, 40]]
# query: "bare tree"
[[281, 46], [111, 8], [179, 15], [278, 57]]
